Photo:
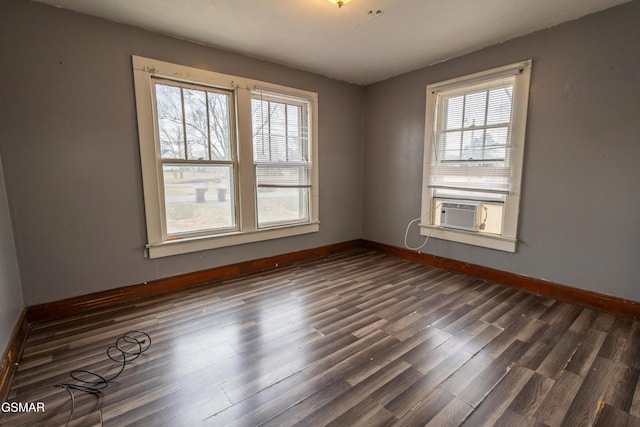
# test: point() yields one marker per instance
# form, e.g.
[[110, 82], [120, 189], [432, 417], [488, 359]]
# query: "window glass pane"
[[496, 142], [277, 132], [473, 144], [170, 129], [453, 113], [282, 205], [451, 146], [474, 109], [219, 126], [260, 120], [198, 197], [499, 109], [195, 117], [295, 149]]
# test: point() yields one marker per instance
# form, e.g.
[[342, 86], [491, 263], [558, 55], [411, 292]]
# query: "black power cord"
[[127, 348]]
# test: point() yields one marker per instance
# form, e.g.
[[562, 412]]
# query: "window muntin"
[[281, 157], [474, 144], [195, 125]]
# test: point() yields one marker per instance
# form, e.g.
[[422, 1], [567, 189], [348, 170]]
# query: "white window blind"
[[281, 145], [472, 149]]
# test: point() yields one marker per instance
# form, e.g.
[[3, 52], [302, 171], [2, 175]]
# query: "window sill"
[[194, 244], [491, 241]]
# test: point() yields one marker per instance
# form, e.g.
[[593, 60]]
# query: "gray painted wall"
[[580, 209], [71, 151], [10, 288]]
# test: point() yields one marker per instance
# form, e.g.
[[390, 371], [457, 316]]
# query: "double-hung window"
[[225, 160], [474, 145], [282, 157], [195, 127]]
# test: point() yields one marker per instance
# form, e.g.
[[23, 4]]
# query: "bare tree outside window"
[[195, 131]]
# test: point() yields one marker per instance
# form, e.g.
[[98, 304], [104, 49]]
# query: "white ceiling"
[[347, 43]]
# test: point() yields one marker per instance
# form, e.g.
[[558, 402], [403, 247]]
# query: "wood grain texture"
[[85, 303], [606, 303], [355, 337], [12, 354]]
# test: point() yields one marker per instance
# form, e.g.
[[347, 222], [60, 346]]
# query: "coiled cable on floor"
[[127, 348]]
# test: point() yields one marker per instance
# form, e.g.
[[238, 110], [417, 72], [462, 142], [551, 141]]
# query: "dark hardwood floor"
[[359, 338]]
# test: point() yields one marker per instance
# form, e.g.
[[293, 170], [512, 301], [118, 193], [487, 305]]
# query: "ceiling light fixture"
[[340, 3]]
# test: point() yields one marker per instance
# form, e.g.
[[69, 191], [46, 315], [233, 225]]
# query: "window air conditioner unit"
[[460, 215]]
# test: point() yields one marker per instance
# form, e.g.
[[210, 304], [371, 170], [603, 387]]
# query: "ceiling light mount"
[[340, 3]]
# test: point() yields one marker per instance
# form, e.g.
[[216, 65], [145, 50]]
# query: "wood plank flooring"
[[355, 339]]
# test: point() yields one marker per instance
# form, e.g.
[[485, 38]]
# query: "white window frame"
[[145, 70], [263, 94], [507, 240]]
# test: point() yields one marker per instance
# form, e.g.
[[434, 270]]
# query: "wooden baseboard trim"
[[86, 303], [617, 306], [12, 354]]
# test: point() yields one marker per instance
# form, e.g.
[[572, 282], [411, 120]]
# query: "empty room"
[[320, 212]]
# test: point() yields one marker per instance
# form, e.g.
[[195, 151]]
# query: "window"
[[281, 156], [195, 126], [474, 144], [225, 160]]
